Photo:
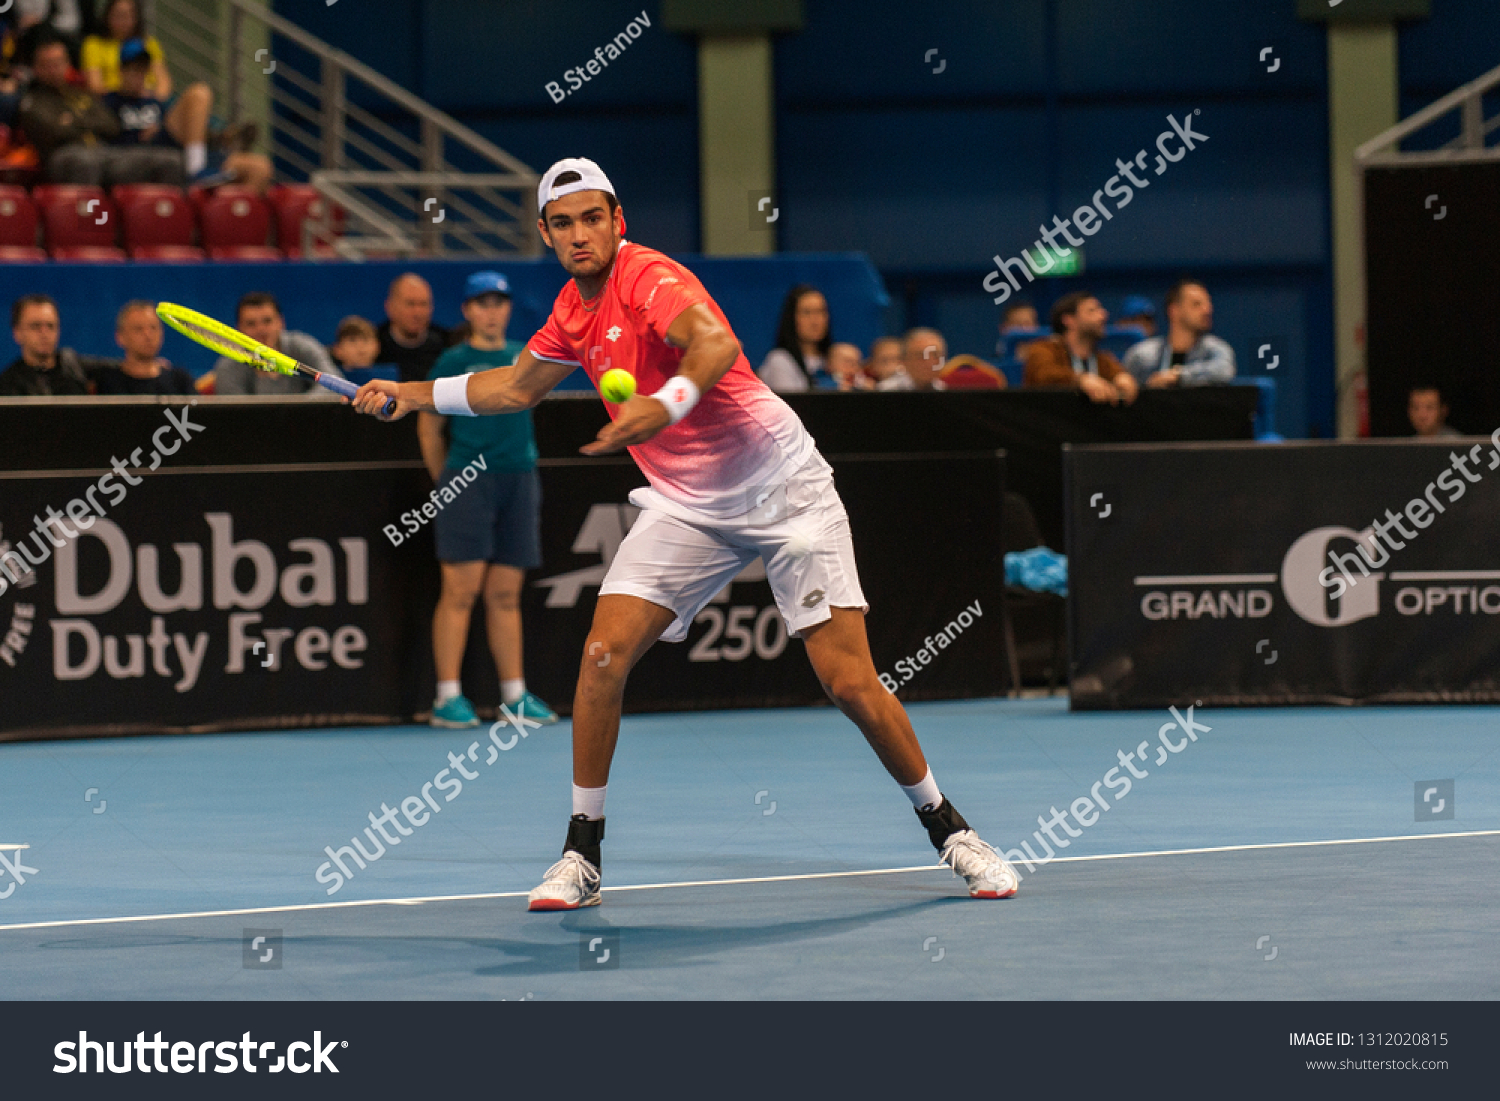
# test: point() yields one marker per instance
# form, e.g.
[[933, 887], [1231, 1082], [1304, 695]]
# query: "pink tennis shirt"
[[739, 437]]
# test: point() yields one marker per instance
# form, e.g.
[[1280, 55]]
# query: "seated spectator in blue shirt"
[[1188, 354], [799, 362], [138, 331], [142, 116]]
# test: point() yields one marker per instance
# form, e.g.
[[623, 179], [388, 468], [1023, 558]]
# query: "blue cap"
[[1137, 305], [485, 282], [132, 49]]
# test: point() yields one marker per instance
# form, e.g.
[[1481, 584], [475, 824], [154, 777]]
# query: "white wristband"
[[451, 396], [679, 395]]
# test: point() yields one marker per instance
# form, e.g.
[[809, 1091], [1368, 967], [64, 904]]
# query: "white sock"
[[195, 153], [589, 802], [924, 794], [512, 690], [447, 689]]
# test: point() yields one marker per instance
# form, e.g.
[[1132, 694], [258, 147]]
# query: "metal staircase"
[[1472, 144], [400, 177]]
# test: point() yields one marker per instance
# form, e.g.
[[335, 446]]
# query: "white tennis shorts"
[[679, 558]]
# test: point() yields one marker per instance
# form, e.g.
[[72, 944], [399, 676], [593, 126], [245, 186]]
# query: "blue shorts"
[[497, 518]]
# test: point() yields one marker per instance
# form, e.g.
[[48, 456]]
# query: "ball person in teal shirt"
[[490, 534]]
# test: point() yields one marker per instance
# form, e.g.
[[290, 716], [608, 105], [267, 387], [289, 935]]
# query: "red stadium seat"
[[76, 217], [236, 220], [21, 254], [168, 254], [89, 254], [255, 254], [295, 204], [968, 372], [17, 217], [152, 214]]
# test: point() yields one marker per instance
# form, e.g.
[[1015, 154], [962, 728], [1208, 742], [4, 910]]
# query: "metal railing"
[[380, 155], [1471, 145]]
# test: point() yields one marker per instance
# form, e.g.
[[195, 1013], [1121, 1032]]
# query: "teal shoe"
[[456, 714], [529, 707]]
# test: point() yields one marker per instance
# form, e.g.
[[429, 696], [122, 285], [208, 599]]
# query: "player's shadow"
[[663, 946]]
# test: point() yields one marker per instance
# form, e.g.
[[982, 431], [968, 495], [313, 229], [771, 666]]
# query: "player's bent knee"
[[849, 690]]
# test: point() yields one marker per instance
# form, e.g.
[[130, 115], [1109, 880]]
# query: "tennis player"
[[733, 476]]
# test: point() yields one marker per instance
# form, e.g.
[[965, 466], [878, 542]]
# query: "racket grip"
[[348, 389]]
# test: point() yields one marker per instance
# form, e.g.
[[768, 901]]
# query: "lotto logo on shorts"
[[766, 505]]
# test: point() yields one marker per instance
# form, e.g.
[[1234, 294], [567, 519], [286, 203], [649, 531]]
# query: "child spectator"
[[355, 344], [144, 121]]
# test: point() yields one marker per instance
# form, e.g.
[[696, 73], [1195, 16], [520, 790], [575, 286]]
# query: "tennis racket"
[[242, 349]]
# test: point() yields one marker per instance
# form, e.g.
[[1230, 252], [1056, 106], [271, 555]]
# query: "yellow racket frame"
[[225, 340]]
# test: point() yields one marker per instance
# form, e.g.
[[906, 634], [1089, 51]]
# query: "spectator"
[[38, 20], [923, 354], [1428, 413], [355, 344], [799, 362], [1188, 354], [71, 130], [1072, 357], [138, 331], [258, 316], [844, 365], [43, 369], [146, 121], [1138, 312], [1019, 317], [885, 360], [489, 534], [408, 338], [187, 114]]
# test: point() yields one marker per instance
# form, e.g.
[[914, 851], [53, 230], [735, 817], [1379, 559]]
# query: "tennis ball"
[[617, 385]]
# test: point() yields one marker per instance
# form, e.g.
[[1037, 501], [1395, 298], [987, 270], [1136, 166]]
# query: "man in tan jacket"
[[1071, 356]]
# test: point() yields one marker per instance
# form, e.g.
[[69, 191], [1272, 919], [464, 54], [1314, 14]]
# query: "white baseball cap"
[[592, 178]]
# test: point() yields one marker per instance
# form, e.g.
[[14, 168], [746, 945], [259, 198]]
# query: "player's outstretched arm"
[[498, 390], [710, 349]]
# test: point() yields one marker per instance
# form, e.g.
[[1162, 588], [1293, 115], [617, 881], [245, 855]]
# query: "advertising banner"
[[1287, 574], [160, 589]]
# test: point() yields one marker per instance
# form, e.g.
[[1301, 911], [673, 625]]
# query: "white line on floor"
[[729, 882]]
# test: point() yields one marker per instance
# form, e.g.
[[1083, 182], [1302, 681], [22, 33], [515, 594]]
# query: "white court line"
[[8, 848], [726, 882]]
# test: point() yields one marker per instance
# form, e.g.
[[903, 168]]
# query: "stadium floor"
[[188, 832]]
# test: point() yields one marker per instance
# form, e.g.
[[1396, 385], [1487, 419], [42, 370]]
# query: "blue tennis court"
[[764, 854]]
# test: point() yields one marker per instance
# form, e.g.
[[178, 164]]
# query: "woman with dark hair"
[[803, 336]]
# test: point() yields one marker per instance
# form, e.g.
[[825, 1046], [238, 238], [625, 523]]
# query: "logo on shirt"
[[612, 333]]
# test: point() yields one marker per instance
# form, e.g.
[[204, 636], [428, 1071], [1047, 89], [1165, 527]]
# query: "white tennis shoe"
[[985, 870], [571, 883]]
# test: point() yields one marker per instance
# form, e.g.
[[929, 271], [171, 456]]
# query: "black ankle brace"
[[942, 823], [584, 836]]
